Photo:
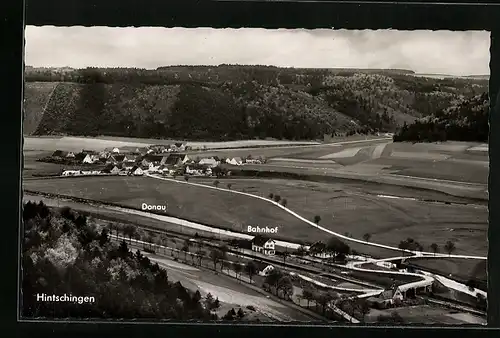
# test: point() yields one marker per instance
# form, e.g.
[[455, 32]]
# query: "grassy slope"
[[234, 102], [36, 95]]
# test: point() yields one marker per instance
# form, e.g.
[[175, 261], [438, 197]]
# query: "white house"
[[386, 298], [234, 161], [211, 162], [88, 159], [186, 159], [115, 150], [266, 270], [263, 245], [70, 154], [137, 171], [253, 161], [71, 173]]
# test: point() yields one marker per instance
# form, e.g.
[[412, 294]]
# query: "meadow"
[[344, 209]]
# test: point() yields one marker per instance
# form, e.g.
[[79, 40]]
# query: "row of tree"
[[412, 245]]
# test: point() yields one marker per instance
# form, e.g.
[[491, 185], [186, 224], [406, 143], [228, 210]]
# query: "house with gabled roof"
[[234, 161], [137, 171], [386, 298], [153, 158], [70, 155], [111, 169], [263, 245], [210, 161], [174, 160]]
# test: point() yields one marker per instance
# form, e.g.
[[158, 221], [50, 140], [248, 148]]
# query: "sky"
[[425, 52]]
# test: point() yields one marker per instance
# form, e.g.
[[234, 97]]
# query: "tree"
[[277, 198], [216, 256], [308, 294], [174, 244], [271, 196], [367, 237], [229, 185], [216, 183], [186, 178], [336, 247], [449, 247], [104, 237], [130, 231], [285, 286], [273, 278], [435, 248], [223, 252], [237, 268], [284, 202], [185, 248], [285, 256], [164, 242], [200, 254], [317, 219], [324, 298], [251, 269], [301, 251]]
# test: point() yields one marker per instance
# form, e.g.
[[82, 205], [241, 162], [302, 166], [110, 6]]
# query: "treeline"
[[64, 253], [234, 102], [466, 120]]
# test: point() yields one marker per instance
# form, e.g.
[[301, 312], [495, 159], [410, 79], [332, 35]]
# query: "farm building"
[[71, 173], [111, 169], [137, 171], [90, 158], [318, 250], [263, 245], [234, 161], [211, 162], [174, 160], [386, 298], [70, 155], [115, 150], [253, 161]]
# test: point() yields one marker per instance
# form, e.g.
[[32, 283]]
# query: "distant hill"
[[231, 102]]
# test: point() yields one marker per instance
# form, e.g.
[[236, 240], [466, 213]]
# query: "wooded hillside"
[[236, 102]]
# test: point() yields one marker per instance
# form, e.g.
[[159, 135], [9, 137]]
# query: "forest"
[[233, 102], [65, 253]]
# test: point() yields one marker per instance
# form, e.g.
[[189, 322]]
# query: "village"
[[168, 160]]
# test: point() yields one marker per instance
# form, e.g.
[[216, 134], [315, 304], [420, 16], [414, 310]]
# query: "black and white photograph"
[[255, 176]]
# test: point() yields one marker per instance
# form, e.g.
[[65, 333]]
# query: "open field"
[[338, 207], [70, 143], [426, 314], [33, 168], [353, 209], [37, 96]]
